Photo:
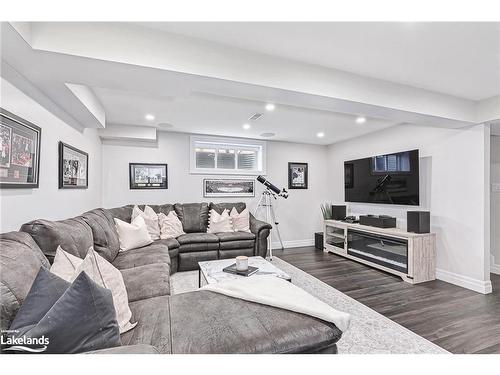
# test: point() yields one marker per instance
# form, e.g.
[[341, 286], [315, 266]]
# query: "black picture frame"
[[298, 175], [70, 170], [134, 184], [20, 144], [214, 188]]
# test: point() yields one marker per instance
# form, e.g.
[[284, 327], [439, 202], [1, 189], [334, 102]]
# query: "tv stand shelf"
[[412, 256]]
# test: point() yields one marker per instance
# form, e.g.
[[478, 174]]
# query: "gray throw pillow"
[[81, 319]]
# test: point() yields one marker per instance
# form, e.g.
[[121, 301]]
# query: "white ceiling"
[[202, 113], [202, 104], [460, 59]]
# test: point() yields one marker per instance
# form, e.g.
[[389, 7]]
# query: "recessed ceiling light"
[[270, 107], [268, 135], [246, 126], [360, 120], [320, 135], [149, 117]]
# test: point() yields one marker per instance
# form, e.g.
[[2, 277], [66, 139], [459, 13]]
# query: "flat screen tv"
[[386, 179]]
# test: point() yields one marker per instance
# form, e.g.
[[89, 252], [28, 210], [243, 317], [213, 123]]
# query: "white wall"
[[454, 178], [495, 205], [21, 205], [299, 215]]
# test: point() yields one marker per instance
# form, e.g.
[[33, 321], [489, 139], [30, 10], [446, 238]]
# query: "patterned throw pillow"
[[220, 223], [170, 225], [241, 221]]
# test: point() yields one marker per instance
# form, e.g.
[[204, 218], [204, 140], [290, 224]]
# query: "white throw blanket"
[[276, 292]]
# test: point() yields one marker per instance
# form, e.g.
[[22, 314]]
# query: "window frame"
[[227, 142]]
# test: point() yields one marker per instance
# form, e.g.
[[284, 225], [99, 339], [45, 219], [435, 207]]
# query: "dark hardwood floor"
[[457, 319]]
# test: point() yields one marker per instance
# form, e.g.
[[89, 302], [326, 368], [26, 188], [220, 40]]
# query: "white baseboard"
[[296, 243], [494, 267], [480, 286]]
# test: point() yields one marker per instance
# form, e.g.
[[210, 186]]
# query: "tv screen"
[[387, 179]]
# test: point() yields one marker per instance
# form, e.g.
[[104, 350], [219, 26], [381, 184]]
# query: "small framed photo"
[[297, 175], [20, 142], [148, 176], [219, 188], [73, 167]]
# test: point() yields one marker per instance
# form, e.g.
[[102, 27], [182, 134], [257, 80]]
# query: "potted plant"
[[326, 210]]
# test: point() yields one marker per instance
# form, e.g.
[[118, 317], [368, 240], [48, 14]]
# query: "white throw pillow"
[[219, 223], [150, 218], [132, 235], [241, 221], [170, 225], [106, 275], [65, 264]]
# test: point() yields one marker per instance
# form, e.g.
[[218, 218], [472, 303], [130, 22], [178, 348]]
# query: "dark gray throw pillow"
[[44, 293], [81, 319]]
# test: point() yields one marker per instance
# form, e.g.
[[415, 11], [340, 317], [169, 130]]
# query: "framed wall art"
[[20, 142], [73, 167], [148, 176], [298, 175], [220, 188]]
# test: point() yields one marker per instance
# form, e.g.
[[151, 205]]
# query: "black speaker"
[[418, 221], [339, 212]]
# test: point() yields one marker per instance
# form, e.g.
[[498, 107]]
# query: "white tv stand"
[[411, 256]]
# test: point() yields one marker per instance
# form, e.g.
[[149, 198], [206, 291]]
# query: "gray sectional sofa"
[[194, 322]]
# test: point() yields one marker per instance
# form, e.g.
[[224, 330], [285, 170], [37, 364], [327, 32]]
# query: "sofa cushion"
[[195, 242], [153, 324], [236, 240], [235, 236], [189, 261], [194, 216], [190, 238], [171, 243], [156, 252], [160, 208], [214, 325], [106, 242], [123, 213], [235, 252], [147, 281], [73, 235], [20, 261]]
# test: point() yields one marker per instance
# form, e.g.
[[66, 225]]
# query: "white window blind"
[[210, 155]]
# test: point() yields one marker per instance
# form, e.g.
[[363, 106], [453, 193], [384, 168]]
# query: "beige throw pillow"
[[133, 235], [170, 225], [106, 275], [150, 218], [241, 221], [219, 223], [65, 264]]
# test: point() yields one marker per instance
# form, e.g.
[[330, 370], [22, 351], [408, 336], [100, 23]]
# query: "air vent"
[[255, 117], [268, 135]]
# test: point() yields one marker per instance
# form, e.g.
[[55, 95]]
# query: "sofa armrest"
[[127, 349], [261, 229]]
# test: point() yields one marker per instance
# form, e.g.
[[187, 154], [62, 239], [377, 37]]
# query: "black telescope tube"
[[267, 184]]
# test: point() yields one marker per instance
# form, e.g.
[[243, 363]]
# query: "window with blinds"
[[226, 156]]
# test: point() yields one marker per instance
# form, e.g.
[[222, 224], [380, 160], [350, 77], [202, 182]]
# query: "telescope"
[[280, 192]]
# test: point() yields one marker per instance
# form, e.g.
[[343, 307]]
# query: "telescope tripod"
[[265, 202]]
